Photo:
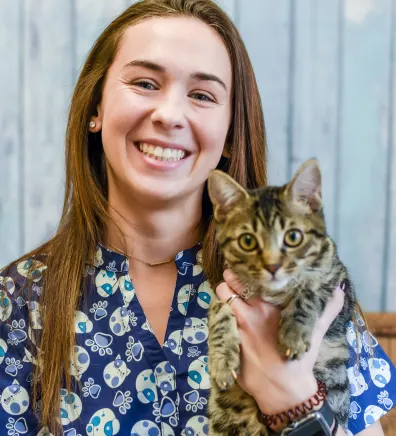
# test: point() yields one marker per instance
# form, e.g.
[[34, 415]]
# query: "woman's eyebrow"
[[198, 75]]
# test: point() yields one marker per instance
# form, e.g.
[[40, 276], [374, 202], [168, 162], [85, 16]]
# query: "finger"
[[239, 288], [233, 282], [224, 293]]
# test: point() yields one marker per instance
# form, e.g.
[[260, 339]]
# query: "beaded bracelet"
[[294, 413]]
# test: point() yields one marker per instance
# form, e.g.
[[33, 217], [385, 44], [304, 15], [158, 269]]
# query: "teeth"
[[160, 153], [167, 153]]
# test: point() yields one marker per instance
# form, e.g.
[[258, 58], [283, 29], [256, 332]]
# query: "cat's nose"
[[272, 268]]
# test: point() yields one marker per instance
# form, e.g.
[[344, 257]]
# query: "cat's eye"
[[247, 242], [293, 238]]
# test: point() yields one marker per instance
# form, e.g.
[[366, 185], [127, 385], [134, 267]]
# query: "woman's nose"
[[169, 112]]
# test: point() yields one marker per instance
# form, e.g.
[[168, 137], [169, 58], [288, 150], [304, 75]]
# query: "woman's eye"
[[202, 97], [146, 85], [247, 242], [293, 238]]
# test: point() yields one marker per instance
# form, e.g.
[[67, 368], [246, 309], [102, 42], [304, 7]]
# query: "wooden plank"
[[385, 343], [362, 169], [265, 28], [388, 423], [382, 324], [47, 75], [315, 93], [91, 18], [10, 138], [390, 225], [393, 349]]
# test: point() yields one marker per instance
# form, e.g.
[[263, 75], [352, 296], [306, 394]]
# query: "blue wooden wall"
[[326, 73]]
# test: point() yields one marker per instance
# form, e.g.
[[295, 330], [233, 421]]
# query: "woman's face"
[[165, 109]]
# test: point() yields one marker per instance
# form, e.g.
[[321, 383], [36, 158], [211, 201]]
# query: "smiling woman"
[[103, 328], [178, 102]]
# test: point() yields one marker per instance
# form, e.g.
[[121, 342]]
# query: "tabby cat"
[[274, 240]]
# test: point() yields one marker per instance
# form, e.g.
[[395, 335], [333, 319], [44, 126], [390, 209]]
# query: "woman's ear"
[[95, 121]]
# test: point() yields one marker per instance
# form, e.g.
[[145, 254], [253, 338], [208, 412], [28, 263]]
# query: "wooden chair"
[[383, 327]]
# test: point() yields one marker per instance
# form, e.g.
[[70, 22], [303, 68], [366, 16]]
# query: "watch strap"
[[295, 413], [325, 411]]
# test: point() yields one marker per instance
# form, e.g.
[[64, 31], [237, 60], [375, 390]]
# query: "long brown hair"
[[85, 214]]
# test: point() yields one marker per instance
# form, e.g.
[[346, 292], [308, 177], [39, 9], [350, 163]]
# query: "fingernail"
[[343, 285]]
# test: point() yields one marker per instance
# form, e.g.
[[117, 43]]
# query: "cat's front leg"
[[224, 340], [296, 326]]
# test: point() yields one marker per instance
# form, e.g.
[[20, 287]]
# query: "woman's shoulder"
[[18, 274], [21, 284]]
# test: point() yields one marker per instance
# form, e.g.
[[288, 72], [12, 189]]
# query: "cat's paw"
[[294, 344], [224, 340], [224, 369]]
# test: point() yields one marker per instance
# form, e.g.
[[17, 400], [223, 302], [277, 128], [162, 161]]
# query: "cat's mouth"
[[276, 283]]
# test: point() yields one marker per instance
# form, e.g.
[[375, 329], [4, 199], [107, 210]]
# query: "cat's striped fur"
[[305, 271]]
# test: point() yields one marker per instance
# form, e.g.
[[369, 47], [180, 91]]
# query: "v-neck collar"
[[113, 261]]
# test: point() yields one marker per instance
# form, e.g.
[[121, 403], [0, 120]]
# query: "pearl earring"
[[92, 124]]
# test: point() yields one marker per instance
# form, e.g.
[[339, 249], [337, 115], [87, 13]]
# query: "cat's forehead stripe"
[[282, 222], [269, 202], [255, 223], [259, 215], [274, 219]]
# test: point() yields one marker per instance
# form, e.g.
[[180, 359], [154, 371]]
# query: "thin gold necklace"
[[143, 261]]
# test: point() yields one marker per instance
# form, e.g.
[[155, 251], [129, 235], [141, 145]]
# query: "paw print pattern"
[[101, 344], [16, 427], [122, 401], [13, 366], [16, 333], [91, 389], [194, 401], [383, 398], [134, 349], [99, 310]]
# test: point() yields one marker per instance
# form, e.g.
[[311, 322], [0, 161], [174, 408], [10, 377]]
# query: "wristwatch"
[[315, 423]]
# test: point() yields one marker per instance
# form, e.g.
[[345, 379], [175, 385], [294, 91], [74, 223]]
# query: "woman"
[[166, 95]]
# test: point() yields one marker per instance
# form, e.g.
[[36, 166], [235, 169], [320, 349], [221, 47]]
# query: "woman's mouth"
[[159, 153]]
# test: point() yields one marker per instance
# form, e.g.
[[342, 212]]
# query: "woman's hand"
[[275, 384]]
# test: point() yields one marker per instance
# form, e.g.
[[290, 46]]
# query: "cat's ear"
[[225, 194], [305, 189]]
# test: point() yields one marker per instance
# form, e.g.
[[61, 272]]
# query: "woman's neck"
[[154, 233]]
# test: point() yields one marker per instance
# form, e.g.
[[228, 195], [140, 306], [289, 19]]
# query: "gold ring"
[[231, 299]]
